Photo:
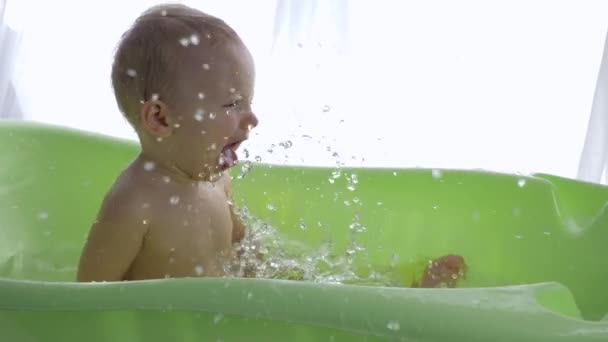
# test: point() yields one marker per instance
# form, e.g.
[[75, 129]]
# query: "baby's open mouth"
[[228, 158]]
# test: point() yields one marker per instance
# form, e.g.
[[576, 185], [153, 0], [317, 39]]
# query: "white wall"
[[501, 85]]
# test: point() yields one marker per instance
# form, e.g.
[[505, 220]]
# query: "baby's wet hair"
[[148, 63]]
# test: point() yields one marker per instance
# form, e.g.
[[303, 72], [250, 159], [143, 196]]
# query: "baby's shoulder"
[[127, 198]]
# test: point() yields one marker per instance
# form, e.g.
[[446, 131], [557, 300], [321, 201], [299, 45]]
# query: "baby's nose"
[[249, 121]]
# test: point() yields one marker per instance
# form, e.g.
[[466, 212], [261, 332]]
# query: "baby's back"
[[151, 226]]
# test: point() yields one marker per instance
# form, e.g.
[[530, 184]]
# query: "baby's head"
[[184, 80]]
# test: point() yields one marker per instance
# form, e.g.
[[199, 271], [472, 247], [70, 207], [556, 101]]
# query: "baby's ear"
[[155, 118]]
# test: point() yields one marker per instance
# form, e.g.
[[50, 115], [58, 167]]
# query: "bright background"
[[498, 85]]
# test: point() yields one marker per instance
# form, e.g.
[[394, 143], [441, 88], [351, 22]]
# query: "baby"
[[184, 80]]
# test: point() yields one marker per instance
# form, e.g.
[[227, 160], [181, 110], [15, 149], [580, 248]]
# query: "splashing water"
[[393, 325], [247, 166], [265, 254], [149, 165], [194, 39], [199, 115], [174, 200], [184, 41], [286, 144]]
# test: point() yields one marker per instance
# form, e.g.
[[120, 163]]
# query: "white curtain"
[[595, 152], [9, 43]]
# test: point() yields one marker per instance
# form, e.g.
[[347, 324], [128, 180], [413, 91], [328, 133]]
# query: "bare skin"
[[169, 214], [444, 271]]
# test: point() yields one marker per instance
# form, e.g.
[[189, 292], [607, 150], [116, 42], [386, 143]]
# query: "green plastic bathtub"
[[537, 250]]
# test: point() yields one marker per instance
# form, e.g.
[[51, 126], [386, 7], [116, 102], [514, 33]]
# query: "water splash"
[[174, 200], [199, 115], [286, 144], [194, 40], [198, 270], [184, 41], [149, 166]]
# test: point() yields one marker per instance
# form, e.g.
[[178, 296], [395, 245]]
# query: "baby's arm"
[[113, 243]]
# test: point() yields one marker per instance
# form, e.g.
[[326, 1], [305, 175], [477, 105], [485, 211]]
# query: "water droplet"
[[436, 173], [206, 66], [476, 216], [212, 147], [198, 269], [435, 207], [43, 215], [149, 165], [154, 97], [199, 115], [393, 325], [347, 203], [184, 41], [247, 166], [519, 237], [302, 224], [194, 39], [159, 139], [218, 318], [394, 173], [379, 203], [131, 72], [176, 125], [547, 233], [232, 90], [331, 180], [174, 200], [203, 132], [521, 182], [286, 144], [258, 159], [144, 221], [201, 96], [212, 116], [351, 187], [326, 109], [354, 178], [271, 207]]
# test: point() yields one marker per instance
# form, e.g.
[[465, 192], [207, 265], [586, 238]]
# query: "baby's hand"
[[444, 272]]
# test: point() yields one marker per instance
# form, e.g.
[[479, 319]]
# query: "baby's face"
[[215, 114]]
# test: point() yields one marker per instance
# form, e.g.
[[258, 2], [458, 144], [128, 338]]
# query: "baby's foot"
[[444, 272]]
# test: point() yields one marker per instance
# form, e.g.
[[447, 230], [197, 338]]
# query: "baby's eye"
[[230, 105]]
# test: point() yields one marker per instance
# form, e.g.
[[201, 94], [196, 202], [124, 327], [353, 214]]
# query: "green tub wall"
[[536, 252]]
